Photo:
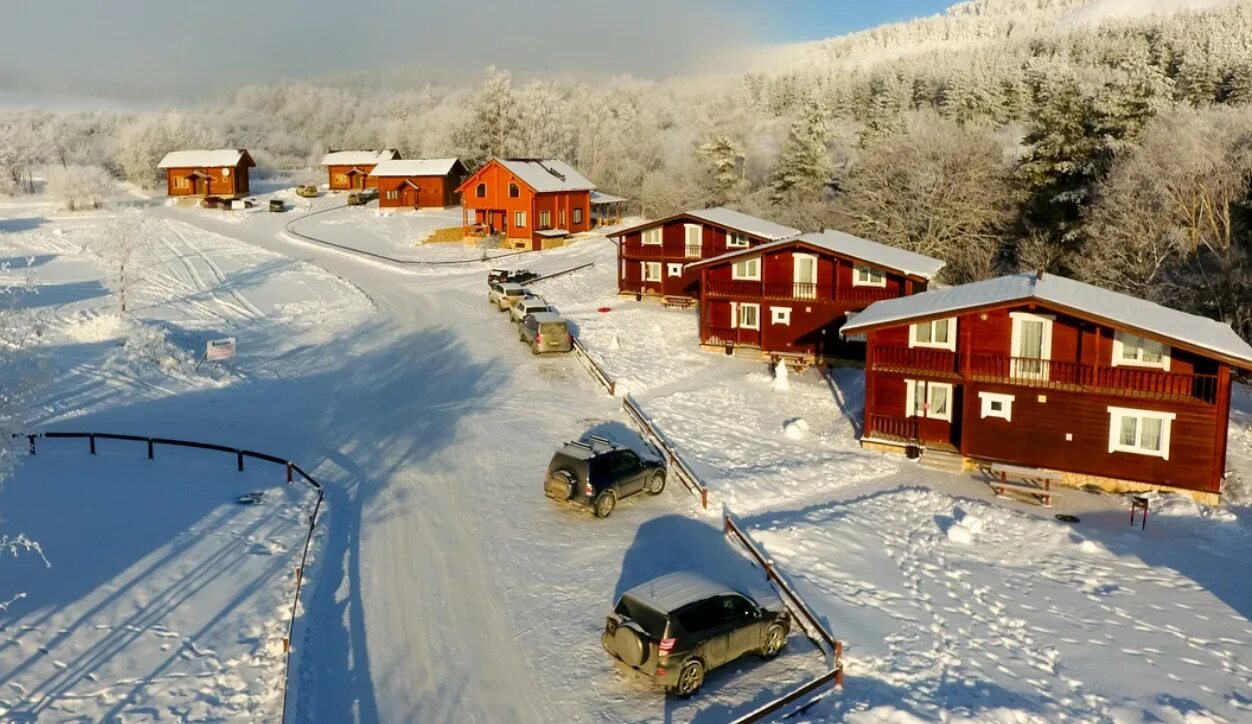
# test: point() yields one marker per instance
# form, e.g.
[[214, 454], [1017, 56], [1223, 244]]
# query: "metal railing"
[[1133, 381], [292, 471]]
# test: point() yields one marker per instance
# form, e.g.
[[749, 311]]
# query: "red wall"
[[220, 183], [497, 204], [363, 181], [432, 192], [672, 249]]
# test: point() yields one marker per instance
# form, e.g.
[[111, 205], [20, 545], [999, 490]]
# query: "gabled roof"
[[1200, 334], [214, 158], [725, 218], [415, 167], [602, 198], [359, 158], [871, 252], [544, 176]]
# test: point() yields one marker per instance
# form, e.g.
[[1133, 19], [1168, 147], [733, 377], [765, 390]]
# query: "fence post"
[[239, 457], [93, 443], [30, 444], [704, 497], [149, 448], [289, 472]]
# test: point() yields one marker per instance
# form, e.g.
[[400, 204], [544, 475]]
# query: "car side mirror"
[[757, 613]]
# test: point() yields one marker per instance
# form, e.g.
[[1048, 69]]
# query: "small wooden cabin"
[[652, 257], [1047, 372], [350, 170], [428, 183], [529, 201], [789, 298], [219, 172]]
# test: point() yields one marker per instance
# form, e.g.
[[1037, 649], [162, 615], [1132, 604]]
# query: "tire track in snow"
[[240, 307]]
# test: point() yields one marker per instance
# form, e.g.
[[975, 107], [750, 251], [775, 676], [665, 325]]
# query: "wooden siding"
[[497, 211], [672, 250], [340, 178], [227, 182], [431, 192]]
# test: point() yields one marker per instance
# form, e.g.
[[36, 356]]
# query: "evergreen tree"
[[723, 163], [804, 168], [492, 128]]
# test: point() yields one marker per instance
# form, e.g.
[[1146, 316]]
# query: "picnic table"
[[1036, 482]]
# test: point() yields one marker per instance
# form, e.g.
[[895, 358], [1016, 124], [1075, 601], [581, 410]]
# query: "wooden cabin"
[[789, 298], [429, 183], [1046, 372], [220, 172], [530, 202], [652, 257], [350, 170]]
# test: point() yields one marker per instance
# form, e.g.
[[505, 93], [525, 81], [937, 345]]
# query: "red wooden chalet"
[[1046, 372], [350, 170], [533, 203], [652, 257], [217, 172], [788, 298], [428, 183]]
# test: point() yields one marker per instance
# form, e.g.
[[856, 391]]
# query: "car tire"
[[775, 640], [605, 503], [690, 679], [656, 483]]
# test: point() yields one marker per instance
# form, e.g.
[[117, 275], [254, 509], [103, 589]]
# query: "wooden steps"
[[677, 302], [942, 460]]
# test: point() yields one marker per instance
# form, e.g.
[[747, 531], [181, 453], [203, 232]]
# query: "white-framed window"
[[693, 239], [735, 240], [181, 182], [928, 399], [804, 274], [1135, 351], [996, 404], [1031, 345], [746, 269], [651, 271], [578, 215], [393, 195], [868, 276], [748, 316], [1144, 432], [780, 315], [674, 270], [519, 219], [545, 219], [651, 237], [937, 334]]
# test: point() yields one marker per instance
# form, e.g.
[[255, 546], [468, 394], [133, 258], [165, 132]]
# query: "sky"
[[138, 47]]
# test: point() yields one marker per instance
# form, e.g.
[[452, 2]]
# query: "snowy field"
[[447, 588]]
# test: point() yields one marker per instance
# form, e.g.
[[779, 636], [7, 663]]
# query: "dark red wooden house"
[[218, 172], [428, 183], [1047, 372], [790, 297], [652, 257], [529, 201], [350, 170]]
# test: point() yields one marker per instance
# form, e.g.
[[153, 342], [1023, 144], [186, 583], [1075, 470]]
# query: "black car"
[[514, 276], [277, 205], [675, 628], [596, 473]]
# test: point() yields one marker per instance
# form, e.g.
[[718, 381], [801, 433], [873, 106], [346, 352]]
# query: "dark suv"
[[596, 473], [516, 276], [674, 628]]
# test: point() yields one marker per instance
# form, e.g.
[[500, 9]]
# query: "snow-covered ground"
[[449, 589]]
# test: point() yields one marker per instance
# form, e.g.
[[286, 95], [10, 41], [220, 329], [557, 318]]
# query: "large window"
[[868, 276], [652, 271], [747, 269], [393, 195], [1031, 345], [1131, 350], [735, 240], [746, 316], [181, 182], [928, 399], [514, 191], [938, 334], [1144, 432], [652, 237], [578, 215], [519, 219]]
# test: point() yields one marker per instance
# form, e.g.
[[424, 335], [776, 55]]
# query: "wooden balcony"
[[796, 291], [719, 335], [1133, 382], [650, 252], [887, 427]]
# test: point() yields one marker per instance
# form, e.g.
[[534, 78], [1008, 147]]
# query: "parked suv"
[[596, 473], [545, 332], [517, 276], [675, 628], [528, 305]]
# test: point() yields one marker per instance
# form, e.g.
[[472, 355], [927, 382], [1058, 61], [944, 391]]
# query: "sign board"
[[220, 349]]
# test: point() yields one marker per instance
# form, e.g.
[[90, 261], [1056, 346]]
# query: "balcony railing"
[[646, 252], [865, 295], [887, 427], [693, 251], [769, 290], [1050, 374], [719, 335]]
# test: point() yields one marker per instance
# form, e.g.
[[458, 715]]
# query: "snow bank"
[[958, 533], [795, 428]]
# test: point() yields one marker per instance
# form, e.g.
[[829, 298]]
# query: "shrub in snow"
[[958, 533], [76, 188], [781, 384], [795, 428]]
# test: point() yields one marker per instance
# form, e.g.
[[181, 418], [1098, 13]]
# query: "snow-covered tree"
[[23, 146], [120, 251], [141, 144], [722, 161], [75, 188], [492, 129], [804, 170]]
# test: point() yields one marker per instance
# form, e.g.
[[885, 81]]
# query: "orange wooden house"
[[219, 172], [350, 170], [1047, 372], [527, 200], [427, 183]]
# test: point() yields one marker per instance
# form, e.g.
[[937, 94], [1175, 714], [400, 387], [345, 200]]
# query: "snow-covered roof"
[[602, 198], [547, 175], [1119, 310], [871, 252], [738, 221], [414, 167], [358, 158], [552, 233], [212, 158], [675, 590]]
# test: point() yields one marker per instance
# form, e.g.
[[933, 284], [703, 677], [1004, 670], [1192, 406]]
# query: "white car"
[[528, 305], [505, 295]]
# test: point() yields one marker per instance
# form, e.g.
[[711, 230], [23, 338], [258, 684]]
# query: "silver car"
[[505, 295], [545, 332], [528, 305]]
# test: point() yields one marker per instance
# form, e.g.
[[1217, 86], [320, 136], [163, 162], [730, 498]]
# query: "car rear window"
[[648, 618], [553, 328]]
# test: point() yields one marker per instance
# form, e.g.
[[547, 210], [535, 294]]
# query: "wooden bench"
[[1036, 482]]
